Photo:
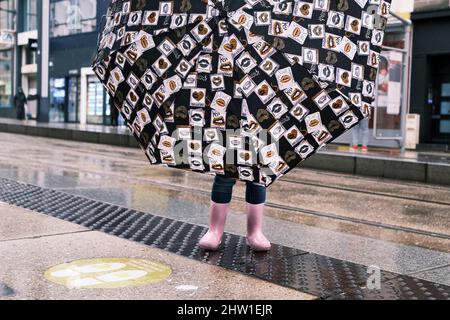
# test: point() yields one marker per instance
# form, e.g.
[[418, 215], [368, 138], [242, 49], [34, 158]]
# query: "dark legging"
[[223, 188]]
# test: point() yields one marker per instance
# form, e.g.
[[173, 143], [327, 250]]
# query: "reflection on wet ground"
[[401, 227]]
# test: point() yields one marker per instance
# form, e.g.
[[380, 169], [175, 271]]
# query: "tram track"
[[366, 192], [306, 271], [317, 185], [400, 183], [106, 155], [274, 205]]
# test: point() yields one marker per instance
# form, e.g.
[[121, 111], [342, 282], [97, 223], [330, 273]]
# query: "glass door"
[[73, 99], [57, 99], [440, 125], [95, 101]]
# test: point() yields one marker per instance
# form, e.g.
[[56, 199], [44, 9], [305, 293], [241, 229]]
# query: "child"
[[255, 197]]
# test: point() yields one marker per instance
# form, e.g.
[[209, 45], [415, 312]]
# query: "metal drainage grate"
[[324, 277]]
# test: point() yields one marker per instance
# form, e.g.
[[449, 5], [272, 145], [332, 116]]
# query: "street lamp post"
[[43, 21]]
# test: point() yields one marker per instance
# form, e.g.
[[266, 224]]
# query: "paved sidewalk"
[[31, 243]]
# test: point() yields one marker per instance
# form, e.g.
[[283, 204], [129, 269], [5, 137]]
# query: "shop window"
[[445, 126], [389, 99], [7, 24], [95, 103], [446, 90], [445, 107], [5, 78]]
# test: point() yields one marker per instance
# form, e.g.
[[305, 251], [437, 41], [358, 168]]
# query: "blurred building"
[[388, 122], [414, 73], [430, 81], [75, 94]]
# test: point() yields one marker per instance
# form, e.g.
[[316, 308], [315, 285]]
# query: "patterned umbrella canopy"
[[242, 88]]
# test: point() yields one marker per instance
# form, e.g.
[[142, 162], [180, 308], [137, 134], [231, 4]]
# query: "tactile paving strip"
[[400, 287], [324, 277]]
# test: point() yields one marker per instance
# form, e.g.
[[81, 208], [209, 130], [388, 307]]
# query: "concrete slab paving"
[[388, 255], [193, 208], [17, 223], [122, 176], [441, 275], [24, 261]]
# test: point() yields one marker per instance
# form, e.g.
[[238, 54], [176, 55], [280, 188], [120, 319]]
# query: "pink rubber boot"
[[217, 217], [255, 238]]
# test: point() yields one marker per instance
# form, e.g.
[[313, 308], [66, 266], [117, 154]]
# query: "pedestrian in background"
[[114, 114], [19, 103], [360, 131]]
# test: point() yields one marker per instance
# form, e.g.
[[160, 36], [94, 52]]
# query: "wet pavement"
[[419, 166], [376, 152], [400, 227], [50, 241]]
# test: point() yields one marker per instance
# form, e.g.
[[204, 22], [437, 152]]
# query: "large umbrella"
[[242, 88]]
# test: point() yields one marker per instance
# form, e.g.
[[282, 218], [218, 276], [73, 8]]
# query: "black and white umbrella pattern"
[[242, 88]]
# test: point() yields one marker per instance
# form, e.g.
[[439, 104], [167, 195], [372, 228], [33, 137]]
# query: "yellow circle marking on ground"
[[108, 273]]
